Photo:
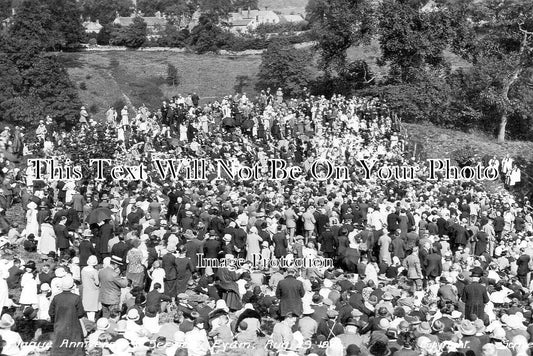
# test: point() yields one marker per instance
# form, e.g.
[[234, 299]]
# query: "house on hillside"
[[154, 24], [244, 21], [92, 26]]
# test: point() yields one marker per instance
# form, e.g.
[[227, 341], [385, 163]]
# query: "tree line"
[[491, 90]]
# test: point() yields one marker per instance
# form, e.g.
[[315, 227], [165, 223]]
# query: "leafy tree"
[[180, 13], [5, 9], [426, 100], [40, 25], [337, 25], [215, 8], [11, 81], [172, 75], [106, 33], [503, 55], [30, 32], [66, 23], [207, 36], [33, 92], [132, 36], [412, 40], [357, 75], [178, 10], [104, 10], [48, 81], [171, 36], [285, 67], [150, 7], [244, 4]]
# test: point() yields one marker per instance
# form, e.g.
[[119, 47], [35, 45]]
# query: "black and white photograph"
[[266, 177]]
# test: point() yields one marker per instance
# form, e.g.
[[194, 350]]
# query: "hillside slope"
[[137, 77]]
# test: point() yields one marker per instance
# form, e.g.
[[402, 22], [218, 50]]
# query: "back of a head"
[[181, 352]]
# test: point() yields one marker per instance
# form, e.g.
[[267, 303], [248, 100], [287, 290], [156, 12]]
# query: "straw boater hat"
[[60, 272], [133, 315], [121, 347], [102, 324], [467, 328], [6, 321], [116, 260], [307, 310], [67, 283]]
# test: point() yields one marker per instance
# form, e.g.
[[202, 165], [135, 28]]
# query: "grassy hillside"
[[139, 77], [284, 6]]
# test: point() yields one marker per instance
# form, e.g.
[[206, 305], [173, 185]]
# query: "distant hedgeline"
[[271, 169]]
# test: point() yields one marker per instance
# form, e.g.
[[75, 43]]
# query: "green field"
[[137, 77]]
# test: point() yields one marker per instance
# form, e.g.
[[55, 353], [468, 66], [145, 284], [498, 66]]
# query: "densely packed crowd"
[[399, 268]]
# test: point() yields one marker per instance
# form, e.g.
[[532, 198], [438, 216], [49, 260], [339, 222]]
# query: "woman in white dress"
[[43, 303], [29, 283], [183, 132], [91, 288], [4, 274], [47, 241], [157, 275], [32, 225]]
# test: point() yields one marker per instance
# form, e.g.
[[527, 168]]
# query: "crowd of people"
[[117, 267]]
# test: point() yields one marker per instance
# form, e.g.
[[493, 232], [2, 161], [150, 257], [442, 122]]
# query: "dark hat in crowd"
[[476, 272], [353, 350], [31, 265]]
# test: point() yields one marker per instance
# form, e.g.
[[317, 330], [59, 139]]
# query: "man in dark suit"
[[168, 262], [193, 247], [239, 241], [155, 298], [475, 296], [280, 244], [290, 292], [63, 237], [212, 249], [327, 242], [102, 243], [86, 248], [120, 249], [393, 221], [73, 219], [433, 264], [523, 267], [15, 275], [321, 220], [499, 224]]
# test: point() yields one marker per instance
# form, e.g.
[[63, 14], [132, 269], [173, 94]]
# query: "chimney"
[[12, 11], [97, 21], [248, 12], [240, 11]]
